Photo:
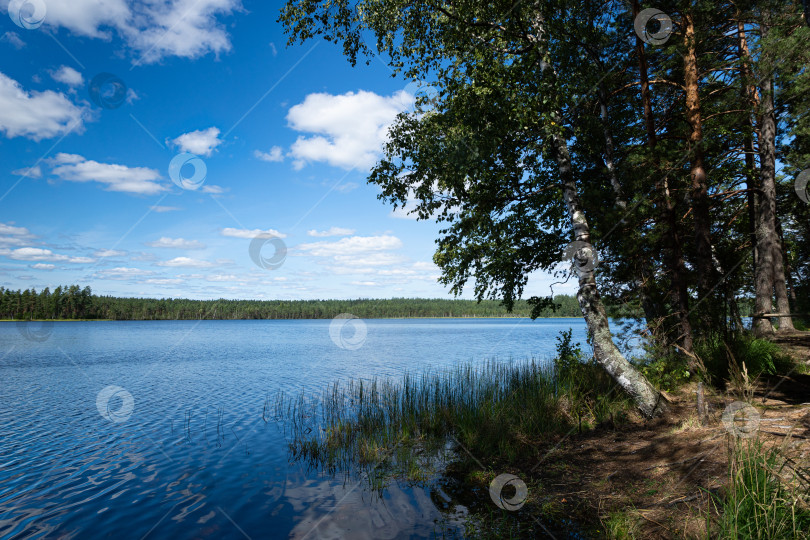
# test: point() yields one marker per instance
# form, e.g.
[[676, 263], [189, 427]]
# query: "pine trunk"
[[651, 313], [748, 93], [697, 173], [766, 217], [773, 279], [676, 266]]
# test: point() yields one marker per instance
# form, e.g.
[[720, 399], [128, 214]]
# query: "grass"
[[490, 409], [759, 502], [621, 525], [485, 419], [719, 360], [722, 357], [496, 411], [491, 418]]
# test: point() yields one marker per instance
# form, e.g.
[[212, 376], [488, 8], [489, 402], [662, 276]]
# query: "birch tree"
[[488, 155]]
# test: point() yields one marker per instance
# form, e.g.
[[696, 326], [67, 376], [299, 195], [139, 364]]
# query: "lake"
[[154, 429]]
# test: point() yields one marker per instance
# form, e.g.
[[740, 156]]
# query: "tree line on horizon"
[[75, 302]]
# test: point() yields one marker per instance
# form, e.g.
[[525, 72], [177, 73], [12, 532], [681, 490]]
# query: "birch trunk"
[[647, 398]]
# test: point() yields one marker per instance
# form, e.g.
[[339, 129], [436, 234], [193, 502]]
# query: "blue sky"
[[287, 136]]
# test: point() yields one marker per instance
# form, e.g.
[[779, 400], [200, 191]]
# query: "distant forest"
[[75, 302]]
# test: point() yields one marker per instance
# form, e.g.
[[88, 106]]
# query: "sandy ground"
[[660, 471]]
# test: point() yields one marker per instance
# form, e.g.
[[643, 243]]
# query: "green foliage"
[[757, 504], [478, 155], [71, 302], [589, 390], [568, 362], [668, 372], [665, 367], [802, 325], [760, 356]]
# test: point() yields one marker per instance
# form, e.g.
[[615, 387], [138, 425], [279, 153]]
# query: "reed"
[[495, 410]]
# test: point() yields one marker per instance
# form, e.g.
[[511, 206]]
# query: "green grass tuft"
[[758, 503], [760, 356]]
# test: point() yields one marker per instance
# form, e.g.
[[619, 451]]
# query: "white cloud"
[[371, 263], [161, 209], [89, 18], [404, 212], [11, 235], [370, 260], [347, 187], [122, 273], [36, 115], [352, 246], [275, 154], [67, 75], [164, 281], [11, 229], [387, 268], [186, 262], [176, 243], [152, 29], [39, 254], [185, 28], [426, 266], [349, 129], [143, 256], [109, 253], [202, 142], [132, 96], [137, 180], [43, 266], [250, 233], [214, 190], [31, 172], [13, 39], [333, 231], [222, 277]]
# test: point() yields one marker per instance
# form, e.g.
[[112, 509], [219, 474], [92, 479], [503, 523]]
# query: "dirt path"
[[658, 473]]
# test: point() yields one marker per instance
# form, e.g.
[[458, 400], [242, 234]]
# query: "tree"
[[782, 55], [488, 154]]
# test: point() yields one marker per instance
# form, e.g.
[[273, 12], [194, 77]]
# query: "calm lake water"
[[154, 429]]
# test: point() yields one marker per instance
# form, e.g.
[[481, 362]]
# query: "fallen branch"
[[693, 497], [785, 434], [653, 521]]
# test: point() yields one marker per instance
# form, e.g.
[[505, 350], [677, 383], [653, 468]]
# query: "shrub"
[[760, 356]]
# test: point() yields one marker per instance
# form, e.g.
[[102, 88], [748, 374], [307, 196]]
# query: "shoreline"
[[606, 470], [279, 319]]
